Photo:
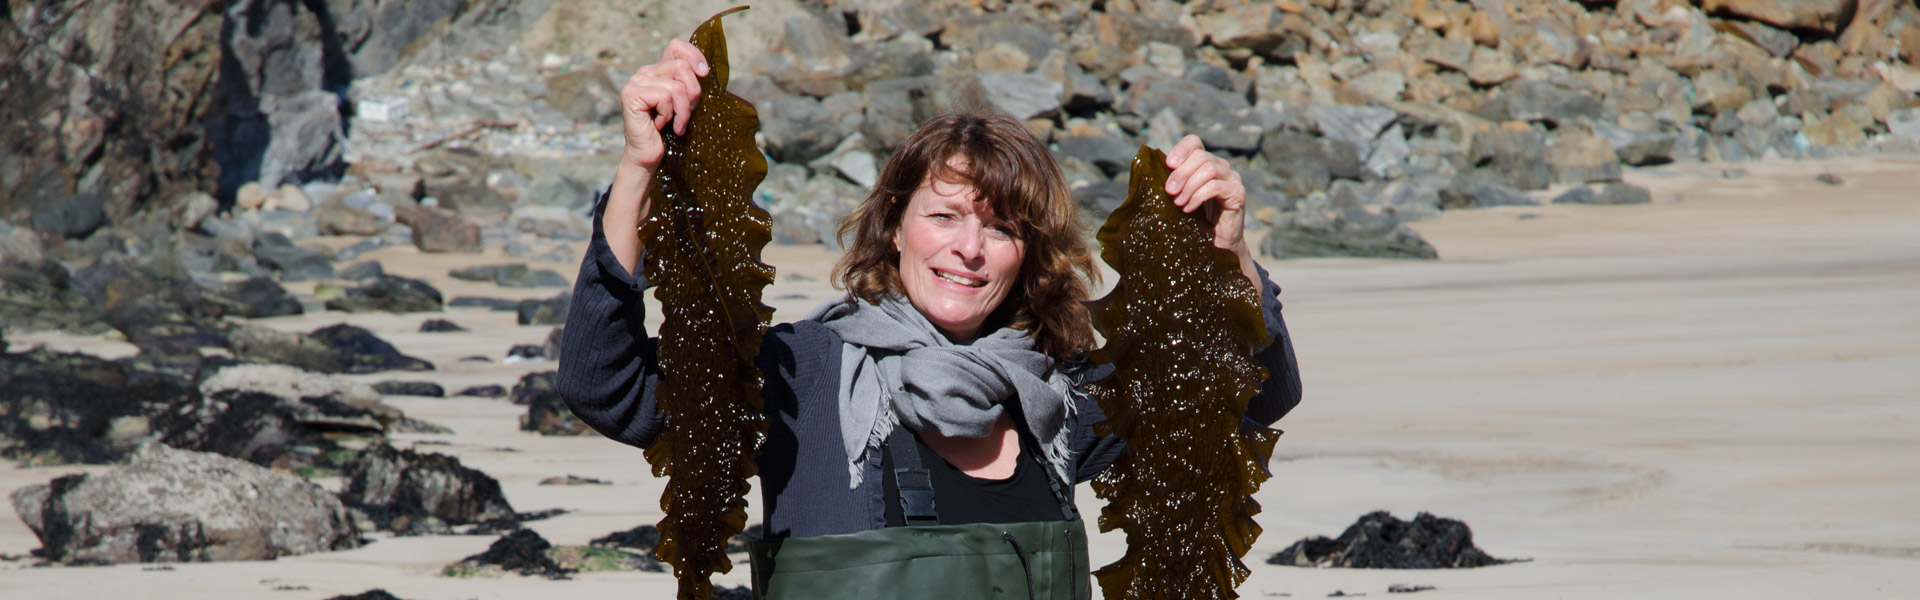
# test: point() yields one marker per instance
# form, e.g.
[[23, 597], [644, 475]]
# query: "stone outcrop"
[[412, 493], [169, 505], [1380, 541]]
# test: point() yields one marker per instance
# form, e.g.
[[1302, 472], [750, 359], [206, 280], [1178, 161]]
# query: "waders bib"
[[1042, 559]]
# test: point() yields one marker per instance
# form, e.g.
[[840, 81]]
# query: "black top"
[[961, 498]]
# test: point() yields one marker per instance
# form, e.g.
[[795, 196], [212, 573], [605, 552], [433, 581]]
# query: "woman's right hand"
[[659, 94], [656, 96]]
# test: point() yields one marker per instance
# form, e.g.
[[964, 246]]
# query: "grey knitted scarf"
[[897, 368]]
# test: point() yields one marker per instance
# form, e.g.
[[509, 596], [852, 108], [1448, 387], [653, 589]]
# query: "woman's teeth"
[[966, 281]]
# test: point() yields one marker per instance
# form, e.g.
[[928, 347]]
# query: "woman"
[[960, 347]]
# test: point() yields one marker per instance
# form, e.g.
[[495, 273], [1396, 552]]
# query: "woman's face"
[[957, 259]]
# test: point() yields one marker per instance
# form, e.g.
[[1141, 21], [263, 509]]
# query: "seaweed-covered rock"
[[391, 294], [169, 505], [373, 594], [547, 411], [1380, 541], [410, 388], [440, 326], [552, 311], [65, 408], [398, 489], [338, 348], [522, 551], [483, 391]]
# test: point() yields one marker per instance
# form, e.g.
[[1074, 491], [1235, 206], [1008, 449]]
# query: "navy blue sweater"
[[608, 373]]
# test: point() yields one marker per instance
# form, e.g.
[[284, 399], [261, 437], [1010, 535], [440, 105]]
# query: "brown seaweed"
[[1181, 326], [703, 240]]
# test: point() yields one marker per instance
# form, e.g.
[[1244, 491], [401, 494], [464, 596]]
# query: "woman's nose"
[[968, 243]]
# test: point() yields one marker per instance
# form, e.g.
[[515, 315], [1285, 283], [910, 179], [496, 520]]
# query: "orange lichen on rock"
[[1181, 326], [703, 241]]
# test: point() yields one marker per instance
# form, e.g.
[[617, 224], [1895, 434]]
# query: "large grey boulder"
[[1514, 157], [169, 505]]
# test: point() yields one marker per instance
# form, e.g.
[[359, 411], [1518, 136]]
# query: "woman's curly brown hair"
[[1018, 178]]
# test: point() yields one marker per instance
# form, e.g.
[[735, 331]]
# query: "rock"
[[410, 388], [1309, 163], [1624, 193], [1635, 147], [1515, 157], [373, 594], [1835, 130], [1818, 16], [547, 411], [1380, 541], [1578, 195], [289, 384], [1021, 95], [493, 304], [1354, 125], [334, 217], [1904, 124], [1357, 234], [525, 352], [1830, 179], [1539, 101], [77, 216], [440, 230], [797, 129], [258, 297], [1105, 148], [397, 488], [511, 276], [293, 262], [852, 161], [522, 551], [366, 353], [1471, 191], [642, 538], [586, 95], [111, 89], [250, 196], [1715, 92], [334, 349], [483, 391], [1776, 42], [288, 197], [1223, 120], [361, 271], [1456, 55], [551, 222], [62, 408], [440, 326], [1390, 153], [168, 505], [1380, 86], [1578, 156], [1491, 67], [389, 293], [552, 311], [574, 480], [891, 114]]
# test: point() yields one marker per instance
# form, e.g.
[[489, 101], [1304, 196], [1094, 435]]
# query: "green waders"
[[1042, 559]]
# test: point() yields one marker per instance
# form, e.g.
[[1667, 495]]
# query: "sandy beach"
[[1708, 396]]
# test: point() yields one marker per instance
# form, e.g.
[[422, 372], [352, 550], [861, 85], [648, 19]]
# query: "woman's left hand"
[[1202, 181]]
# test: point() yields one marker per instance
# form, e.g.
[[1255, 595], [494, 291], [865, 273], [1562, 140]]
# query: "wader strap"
[[1067, 509], [915, 483]]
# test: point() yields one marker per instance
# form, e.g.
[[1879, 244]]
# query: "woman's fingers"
[[1198, 173], [681, 49]]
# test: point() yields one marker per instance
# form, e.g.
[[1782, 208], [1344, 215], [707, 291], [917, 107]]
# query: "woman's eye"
[[1000, 232], [941, 216]]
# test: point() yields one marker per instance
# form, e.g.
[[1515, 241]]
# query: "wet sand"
[[1712, 395]]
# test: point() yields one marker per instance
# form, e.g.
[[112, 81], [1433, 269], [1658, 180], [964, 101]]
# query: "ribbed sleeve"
[[608, 369]]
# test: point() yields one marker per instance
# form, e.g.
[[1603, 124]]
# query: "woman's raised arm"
[[656, 96]]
